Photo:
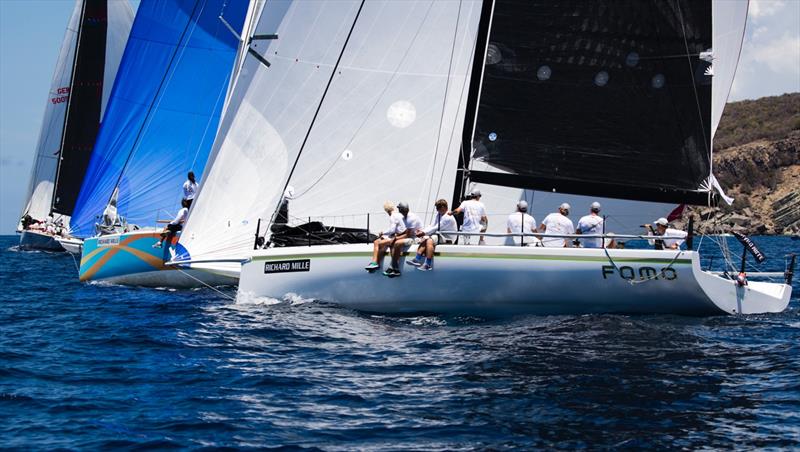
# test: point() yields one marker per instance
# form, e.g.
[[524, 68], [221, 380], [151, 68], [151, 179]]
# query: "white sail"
[[399, 88], [46, 162], [728, 23], [120, 19]]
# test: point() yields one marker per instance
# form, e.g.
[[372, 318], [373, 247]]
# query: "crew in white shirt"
[[591, 224], [442, 222], [669, 238], [413, 225], [475, 219], [190, 188], [520, 222], [557, 223], [175, 225], [394, 231]]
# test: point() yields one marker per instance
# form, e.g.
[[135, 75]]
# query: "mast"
[[473, 99]]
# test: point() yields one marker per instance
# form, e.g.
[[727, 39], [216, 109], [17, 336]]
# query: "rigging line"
[[694, 85], [158, 91], [377, 100], [444, 102], [316, 113], [223, 90], [207, 285]]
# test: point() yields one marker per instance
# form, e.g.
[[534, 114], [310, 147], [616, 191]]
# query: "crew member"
[[413, 225], [591, 224], [475, 219], [670, 238], [190, 188], [432, 235], [557, 223], [394, 231], [520, 222], [175, 225]]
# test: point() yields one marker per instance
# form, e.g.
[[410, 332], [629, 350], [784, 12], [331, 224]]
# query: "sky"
[[31, 32]]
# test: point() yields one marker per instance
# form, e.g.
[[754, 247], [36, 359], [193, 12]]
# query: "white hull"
[[501, 281], [72, 245], [35, 240]]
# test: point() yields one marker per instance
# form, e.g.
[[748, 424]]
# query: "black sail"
[[602, 97], [84, 108]]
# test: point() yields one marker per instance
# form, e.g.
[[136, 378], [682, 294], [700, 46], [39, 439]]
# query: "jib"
[[631, 273]]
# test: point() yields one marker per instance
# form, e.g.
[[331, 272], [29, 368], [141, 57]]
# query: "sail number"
[[631, 273], [63, 95]]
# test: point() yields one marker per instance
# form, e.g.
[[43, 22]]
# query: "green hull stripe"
[[481, 256]]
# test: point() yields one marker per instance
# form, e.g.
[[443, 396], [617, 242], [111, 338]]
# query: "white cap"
[[475, 193], [522, 205], [595, 205], [402, 205], [662, 221], [564, 206]]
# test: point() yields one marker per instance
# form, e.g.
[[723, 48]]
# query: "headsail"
[[164, 110], [608, 98], [351, 89], [95, 64]]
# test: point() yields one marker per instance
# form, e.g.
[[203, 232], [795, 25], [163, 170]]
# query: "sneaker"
[[372, 267], [157, 245], [391, 272], [425, 268], [415, 262]]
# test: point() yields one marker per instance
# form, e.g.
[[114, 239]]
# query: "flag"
[[676, 213]]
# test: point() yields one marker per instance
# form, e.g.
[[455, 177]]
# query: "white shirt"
[[443, 223], [412, 224], [189, 189], [591, 224], [181, 217], [520, 222], [396, 225], [557, 224], [678, 239], [473, 211]]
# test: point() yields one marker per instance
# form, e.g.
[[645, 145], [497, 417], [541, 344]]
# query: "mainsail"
[[86, 67], [604, 98], [164, 110], [351, 103]]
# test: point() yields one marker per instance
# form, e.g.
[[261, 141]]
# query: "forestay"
[[164, 110], [386, 118]]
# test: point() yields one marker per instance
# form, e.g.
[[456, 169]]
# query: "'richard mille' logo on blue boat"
[[301, 265]]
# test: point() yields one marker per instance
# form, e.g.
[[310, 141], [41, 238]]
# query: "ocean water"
[[105, 367]]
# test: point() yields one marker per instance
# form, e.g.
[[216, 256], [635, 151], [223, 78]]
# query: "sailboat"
[[413, 102], [87, 65], [161, 122]]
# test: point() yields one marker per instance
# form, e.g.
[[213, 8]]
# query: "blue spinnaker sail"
[[164, 109]]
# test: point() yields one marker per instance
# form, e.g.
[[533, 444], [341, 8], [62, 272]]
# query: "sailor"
[[175, 225], [671, 239], [394, 231], [591, 224], [413, 226], [432, 235], [190, 188], [520, 222], [557, 223], [475, 219]]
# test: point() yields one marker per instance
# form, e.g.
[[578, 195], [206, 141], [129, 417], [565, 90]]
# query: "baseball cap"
[[522, 205], [662, 221], [475, 193], [402, 205], [564, 206], [595, 205]]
